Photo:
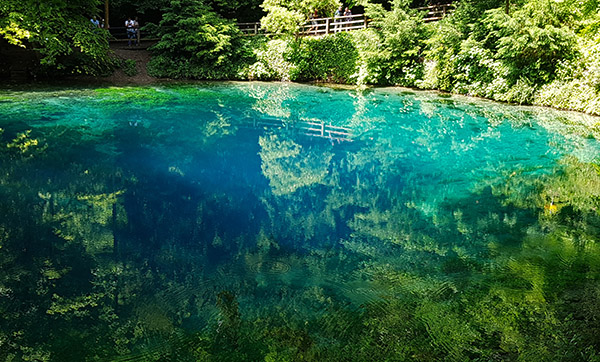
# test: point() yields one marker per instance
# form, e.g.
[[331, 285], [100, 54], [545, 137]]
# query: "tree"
[[286, 17], [196, 42], [60, 31]]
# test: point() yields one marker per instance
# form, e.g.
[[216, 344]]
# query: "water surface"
[[279, 222]]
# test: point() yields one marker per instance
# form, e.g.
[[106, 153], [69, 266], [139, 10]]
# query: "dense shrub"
[[271, 63], [440, 67], [577, 85], [402, 36], [197, 43], [528, 46], [503, 57], [370, 66], [329, 59]]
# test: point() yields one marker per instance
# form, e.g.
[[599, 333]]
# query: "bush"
[[331, 58], [528, 50], [270, 61], [129, 67], [197, 43], [402, 34], [370, 66], [440, 66]]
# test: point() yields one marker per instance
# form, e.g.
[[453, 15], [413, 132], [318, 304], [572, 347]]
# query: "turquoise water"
[[281, 222]]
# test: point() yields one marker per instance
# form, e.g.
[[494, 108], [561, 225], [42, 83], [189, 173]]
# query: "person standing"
[[130, 28], [338, 14], [95, 22], [136, 26], [347, 13], [313, 20]]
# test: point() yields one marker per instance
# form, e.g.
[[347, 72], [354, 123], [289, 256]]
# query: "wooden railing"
[[436, 12], [322, 26], [250, 28]]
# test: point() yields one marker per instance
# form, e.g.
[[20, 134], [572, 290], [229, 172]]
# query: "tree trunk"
[[106, 26]]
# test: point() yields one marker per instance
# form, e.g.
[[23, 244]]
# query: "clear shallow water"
[[250, 221]]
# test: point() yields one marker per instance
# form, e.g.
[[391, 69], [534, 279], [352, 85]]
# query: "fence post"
[[255, 28], [327, 26]]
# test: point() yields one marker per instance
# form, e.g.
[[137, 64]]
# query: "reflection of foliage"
[[167, 249], [271, 102], [88, 219], [284, 167]]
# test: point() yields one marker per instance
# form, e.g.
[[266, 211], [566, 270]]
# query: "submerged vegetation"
[[175, 224]]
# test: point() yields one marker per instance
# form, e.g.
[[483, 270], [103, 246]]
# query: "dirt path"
[[140, 54]]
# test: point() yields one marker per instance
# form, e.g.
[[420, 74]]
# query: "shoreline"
[[120, 79]]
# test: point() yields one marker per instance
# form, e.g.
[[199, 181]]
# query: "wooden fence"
[[436, 12], [319, 26], [323, 26]]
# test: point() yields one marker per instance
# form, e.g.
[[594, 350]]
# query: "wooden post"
[[327, 26], [255, 28]]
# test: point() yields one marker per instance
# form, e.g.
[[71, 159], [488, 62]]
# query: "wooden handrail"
[[322, 26]]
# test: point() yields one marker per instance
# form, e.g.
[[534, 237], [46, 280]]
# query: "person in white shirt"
[[130, 27]]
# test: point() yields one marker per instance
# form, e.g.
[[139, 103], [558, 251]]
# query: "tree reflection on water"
[[446, 230]]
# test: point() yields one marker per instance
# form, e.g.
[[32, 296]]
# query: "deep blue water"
[[258, 221]]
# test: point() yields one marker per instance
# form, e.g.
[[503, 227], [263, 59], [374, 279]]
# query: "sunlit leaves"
[[286, 17], [60, 31]]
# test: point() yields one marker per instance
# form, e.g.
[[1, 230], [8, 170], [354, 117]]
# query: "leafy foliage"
[[506, 57], [271, 63], [330, 58], [60, 32], [401, 34], [196, 42], [286, 17]]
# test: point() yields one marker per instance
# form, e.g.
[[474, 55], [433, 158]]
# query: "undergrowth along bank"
[[542, 52]]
